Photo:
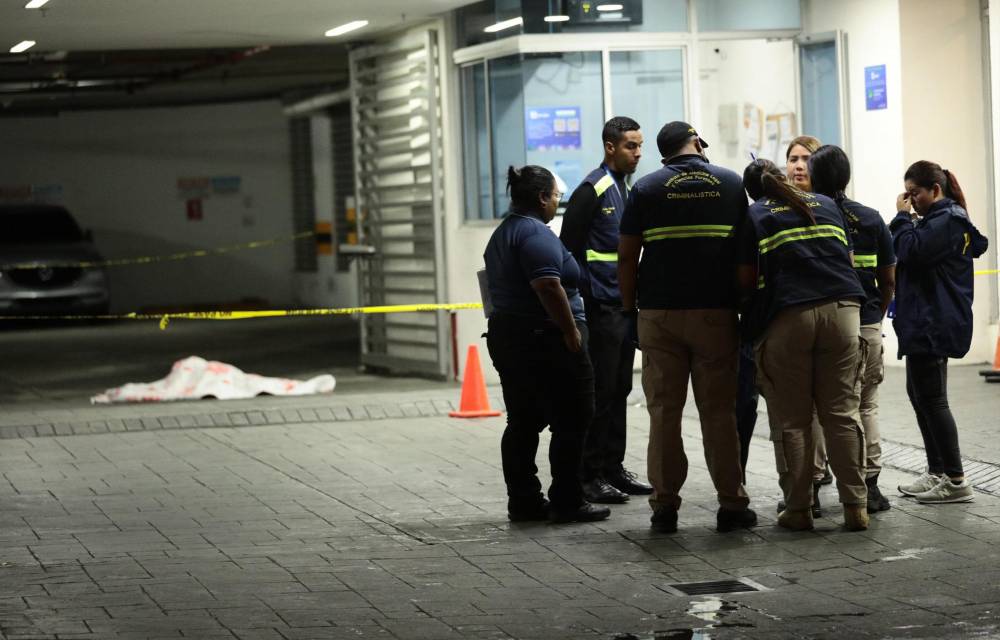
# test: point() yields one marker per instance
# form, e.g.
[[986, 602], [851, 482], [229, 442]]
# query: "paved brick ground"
[[394, 527]]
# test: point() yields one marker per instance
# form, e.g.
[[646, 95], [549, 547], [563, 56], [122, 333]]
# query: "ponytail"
[[952, 189], [763, 178]]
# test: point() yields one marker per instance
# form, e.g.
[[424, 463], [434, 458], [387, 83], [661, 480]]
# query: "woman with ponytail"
[[935, 244], [537, 338], [795, 267], [875, 265]]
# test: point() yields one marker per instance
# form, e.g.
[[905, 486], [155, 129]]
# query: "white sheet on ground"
[[193, 378]]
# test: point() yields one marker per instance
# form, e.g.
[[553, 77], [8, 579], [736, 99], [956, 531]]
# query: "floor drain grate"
[[712, 587]]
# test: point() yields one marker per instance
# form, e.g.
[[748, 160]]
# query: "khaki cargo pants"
[[872, 378], [700, 344], [812, 356]]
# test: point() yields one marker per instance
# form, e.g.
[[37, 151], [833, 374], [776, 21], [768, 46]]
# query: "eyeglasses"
[[558, 194]]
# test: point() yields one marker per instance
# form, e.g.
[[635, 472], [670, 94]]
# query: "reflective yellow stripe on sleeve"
[[802, 233], [865, 260], [603, 184], [601, 256], [688, 231]]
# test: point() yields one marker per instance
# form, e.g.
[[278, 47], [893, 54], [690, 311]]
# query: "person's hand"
[[573, 341], [903, 203], [632, 333]]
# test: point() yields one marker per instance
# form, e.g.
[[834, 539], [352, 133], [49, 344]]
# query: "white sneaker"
[[947, 491], [925, 482]]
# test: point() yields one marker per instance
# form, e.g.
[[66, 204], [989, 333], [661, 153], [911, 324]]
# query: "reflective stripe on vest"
[[603, 184], [601, 256], [802, 233], [865, 260], [760, 282], [688, 231]]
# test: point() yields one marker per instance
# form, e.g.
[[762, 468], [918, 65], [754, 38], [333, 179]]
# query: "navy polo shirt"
[[872, 249], [687, 213], [522, 249], [796, 262]]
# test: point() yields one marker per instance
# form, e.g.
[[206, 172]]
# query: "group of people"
[[773, 283]]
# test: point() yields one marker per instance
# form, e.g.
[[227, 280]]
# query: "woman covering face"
[[797, 161]]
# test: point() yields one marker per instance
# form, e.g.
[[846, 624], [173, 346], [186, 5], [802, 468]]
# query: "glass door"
[[647, 86], [822, 87]]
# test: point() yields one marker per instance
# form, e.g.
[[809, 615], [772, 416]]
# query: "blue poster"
[[552, 128], [875, 87]]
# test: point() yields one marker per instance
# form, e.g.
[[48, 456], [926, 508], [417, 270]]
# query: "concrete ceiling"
[[103, 54], [88, 25]]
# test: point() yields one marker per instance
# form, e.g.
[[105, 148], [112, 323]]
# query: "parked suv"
[[40, 246]]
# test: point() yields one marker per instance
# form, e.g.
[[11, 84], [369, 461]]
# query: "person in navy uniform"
[[795, 263], [935, 245], [537, 338], [875, 265], [590, 232], [682, 219]]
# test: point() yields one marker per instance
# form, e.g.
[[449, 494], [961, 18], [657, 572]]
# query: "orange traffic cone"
[[993, 375], [475, 403]]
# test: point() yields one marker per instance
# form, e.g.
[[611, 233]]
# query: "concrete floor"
[[63, 365]]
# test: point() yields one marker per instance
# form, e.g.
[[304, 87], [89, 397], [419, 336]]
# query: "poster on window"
[[552, 128]]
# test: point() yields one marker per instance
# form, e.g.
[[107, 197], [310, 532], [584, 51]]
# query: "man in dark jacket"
[[590, 232]]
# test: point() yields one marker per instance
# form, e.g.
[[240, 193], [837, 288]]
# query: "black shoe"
[[876, 501], [599, 491], [817, 509], [729, 519], [628, 482], [664, 520], [528, 512], [827, 476], [586, 512]]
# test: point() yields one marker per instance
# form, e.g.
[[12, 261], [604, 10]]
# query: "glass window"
[[820, 91], [743, 15], [648, 86], [544, 109], [475, 126]]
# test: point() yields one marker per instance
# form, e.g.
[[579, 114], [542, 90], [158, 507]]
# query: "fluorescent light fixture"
[[346, 28], [22, 46], [610, 7], [504, 24], [36, 4], [556, 18]]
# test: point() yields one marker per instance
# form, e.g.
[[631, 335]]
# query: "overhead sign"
[[552, 128], [875, 97]]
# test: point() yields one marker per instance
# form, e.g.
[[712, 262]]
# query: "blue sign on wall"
[[552, 128], [875, 87]]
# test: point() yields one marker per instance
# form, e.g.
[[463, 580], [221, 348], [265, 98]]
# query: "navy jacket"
[[590, 232], [934, 280]]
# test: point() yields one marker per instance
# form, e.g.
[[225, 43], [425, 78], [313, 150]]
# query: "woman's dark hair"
[[763, 178], [926, 174], [525, 185], [830, 171]]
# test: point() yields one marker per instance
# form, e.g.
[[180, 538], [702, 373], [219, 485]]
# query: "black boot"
[[876, 501]]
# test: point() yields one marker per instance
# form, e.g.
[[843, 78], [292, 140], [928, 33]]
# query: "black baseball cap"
[[675, 134]]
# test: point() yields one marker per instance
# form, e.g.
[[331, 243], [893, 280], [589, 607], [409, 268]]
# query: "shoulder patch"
[[603, 185]]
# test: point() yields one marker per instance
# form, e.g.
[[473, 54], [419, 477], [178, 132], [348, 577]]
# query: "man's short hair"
[[615, 128]]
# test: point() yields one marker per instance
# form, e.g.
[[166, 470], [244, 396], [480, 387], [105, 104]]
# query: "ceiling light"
[[22, 46], [504, 24], [556, 18], [35, 4], [610, 7], [346, 28]]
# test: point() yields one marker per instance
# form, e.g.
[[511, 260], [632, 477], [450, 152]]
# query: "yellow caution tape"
[[165, 318], [184, 255], [987, 272]]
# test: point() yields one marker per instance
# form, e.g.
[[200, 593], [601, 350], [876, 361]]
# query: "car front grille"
[[44, 277]]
